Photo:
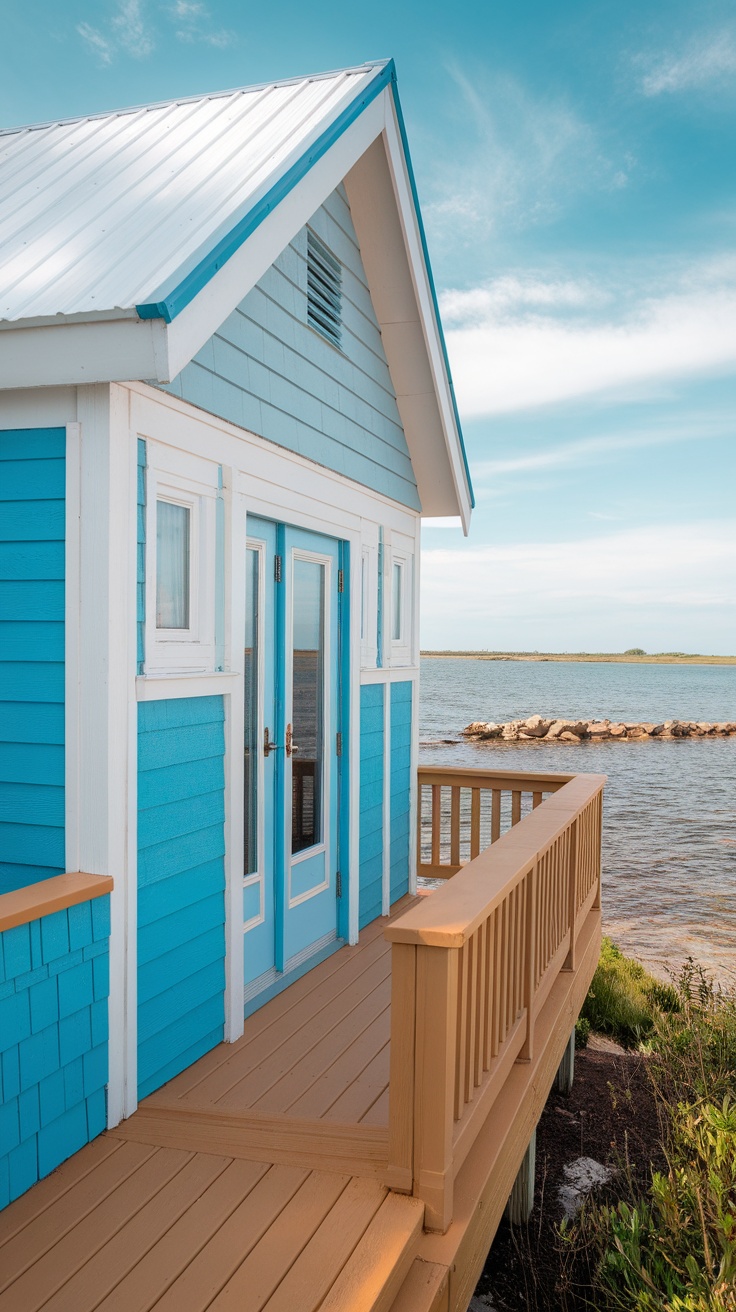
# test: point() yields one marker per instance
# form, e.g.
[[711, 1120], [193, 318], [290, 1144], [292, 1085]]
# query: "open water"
[[669, 835]]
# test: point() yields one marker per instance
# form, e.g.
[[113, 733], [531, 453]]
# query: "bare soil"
[[609, 1115]]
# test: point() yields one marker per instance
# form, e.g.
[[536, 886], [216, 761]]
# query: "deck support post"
[[566, 1071], [521, 1199]]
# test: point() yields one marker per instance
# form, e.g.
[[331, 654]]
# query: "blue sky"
[[577, 171]]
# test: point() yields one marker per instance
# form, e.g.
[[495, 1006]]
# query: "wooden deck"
[[272, 1173], [307, 1084]]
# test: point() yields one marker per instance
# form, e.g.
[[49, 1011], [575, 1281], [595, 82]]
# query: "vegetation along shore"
[[634, 656], [537, 729]]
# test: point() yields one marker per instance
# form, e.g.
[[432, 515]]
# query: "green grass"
[[624, 999]]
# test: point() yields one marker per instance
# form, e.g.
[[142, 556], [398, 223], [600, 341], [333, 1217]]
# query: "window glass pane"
[[250, 665], [397, 600], [172, 565], [307, 703], [363, 595]]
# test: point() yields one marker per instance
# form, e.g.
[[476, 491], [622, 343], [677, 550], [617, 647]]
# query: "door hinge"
[[338, 884], [277, 569], [338, 744], [341, 580]]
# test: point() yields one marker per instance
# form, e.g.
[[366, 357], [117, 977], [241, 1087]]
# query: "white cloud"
[[579, 595], [98, 44], [705, 62], [194, 17], [524, 161], [132, 30], [512, 349]]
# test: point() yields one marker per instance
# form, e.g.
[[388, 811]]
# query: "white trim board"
[[162, 687]]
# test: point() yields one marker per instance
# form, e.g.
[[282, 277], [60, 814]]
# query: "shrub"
[[582, 1032], [674, 1250], [635, 651]]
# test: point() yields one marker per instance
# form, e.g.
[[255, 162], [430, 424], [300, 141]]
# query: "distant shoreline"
[[593, 658]]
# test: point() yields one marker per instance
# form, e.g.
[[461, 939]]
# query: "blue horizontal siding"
[[371, 802], [32, 564], [267, 371], [181, 884], [400, 787]]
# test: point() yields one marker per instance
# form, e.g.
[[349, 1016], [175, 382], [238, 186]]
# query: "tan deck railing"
[[474, 963]]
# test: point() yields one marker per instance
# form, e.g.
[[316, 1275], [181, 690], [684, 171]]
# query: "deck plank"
[[253, 1283], [133, 1240], [58, 1264], [373, 1275], [377, 1114], [252, 1073], [318, 1099], [220, 1258], [324, 1053], [70, 1207], [164, 1263], [360, 1095], [29, 1206], [313, 1273]]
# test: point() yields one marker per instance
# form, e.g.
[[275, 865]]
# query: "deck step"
[[425, 1289], [377, 1268]]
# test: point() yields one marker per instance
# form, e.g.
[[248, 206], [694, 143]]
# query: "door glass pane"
[[172, 566], [397, 602], [250, 666], [307, 703]]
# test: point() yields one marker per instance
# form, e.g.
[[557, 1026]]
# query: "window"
[[324, 291], [181, 560], [172, 565], [369, 598], [399, 590]]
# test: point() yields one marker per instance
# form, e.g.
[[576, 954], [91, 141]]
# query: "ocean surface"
[[669, 835]]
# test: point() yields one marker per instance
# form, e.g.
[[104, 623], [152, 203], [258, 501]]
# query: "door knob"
[[268, 746], [290, 745]]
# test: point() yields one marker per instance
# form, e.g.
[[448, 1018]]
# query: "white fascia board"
[[425, 302], [189, 331], [100, 351]]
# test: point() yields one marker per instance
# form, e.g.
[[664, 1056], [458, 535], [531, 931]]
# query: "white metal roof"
[[100, 214]]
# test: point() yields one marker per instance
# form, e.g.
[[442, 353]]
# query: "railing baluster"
[[436, 823], [515, 807], [474, 823], [455, 827], [495, 815]]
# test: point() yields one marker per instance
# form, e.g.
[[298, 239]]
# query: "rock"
[[558, 727], [535, 726], [599, 729], [618, 730], [581, 1177], [568, 737]]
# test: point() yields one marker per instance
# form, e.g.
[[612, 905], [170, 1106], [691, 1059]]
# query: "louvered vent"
[[324, 290]]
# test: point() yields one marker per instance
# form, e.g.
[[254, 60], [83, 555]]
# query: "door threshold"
[[261, 991]]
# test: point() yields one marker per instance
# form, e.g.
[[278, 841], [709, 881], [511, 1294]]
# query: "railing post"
[[572, 895], [434, 1084], [400, 1173], [530, 959]]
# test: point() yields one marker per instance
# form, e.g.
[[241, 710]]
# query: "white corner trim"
[[72, 556], [162, 687], [386, 880]]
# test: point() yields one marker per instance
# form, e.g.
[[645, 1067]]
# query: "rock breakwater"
[[536, 727]]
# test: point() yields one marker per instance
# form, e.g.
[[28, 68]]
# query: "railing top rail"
[[469, 776], [451, 914]]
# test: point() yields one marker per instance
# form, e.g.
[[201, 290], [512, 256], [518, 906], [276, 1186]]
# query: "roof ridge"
[[190, 100]]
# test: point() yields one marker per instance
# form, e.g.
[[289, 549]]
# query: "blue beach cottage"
[[225, 408]]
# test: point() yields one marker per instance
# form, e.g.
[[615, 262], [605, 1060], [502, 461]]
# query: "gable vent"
[[324, 290]]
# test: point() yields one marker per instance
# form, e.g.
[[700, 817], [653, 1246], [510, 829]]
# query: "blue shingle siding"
[[401, 695], [270, 373], [54, 984], [32, 546], [371, 802], [181, 885], [141, 557]]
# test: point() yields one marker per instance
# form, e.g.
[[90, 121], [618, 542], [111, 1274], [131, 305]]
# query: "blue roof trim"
[[200, 275], [430, 277], [168, 308]]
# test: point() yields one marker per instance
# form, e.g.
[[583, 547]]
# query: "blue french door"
[[292, 727]]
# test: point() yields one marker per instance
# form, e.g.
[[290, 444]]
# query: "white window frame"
[[368, 600], [401, 647], [183, 480]]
